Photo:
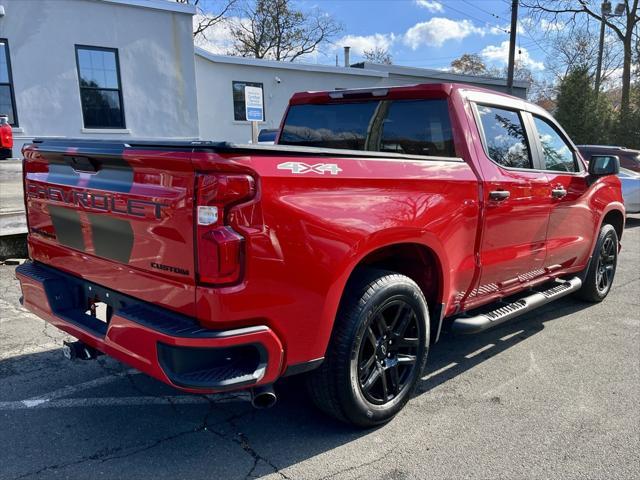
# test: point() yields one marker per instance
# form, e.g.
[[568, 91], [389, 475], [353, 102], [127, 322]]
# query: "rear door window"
[[505, 137], [412, 127]]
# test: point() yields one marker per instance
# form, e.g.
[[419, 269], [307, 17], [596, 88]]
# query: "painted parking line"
[[55, 399], [511, 335], [439, 371], [72, 389], [479, 351], [123, 401]]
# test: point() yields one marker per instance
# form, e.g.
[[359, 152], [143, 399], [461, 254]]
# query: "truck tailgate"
[[116, 215]]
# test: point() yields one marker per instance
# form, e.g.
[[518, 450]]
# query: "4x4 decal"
[[320, 168]]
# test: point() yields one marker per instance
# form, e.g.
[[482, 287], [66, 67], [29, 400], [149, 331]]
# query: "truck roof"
[[437, 90]]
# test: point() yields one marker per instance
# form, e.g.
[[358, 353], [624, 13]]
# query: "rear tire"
[[602, 267], [377, 351]]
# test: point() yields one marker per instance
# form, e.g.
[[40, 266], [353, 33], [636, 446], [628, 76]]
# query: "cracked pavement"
[[551, 395]]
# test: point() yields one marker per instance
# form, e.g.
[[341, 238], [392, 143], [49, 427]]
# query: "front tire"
[[377, 350], [602, 267]]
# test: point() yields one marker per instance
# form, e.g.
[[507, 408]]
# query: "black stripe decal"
[[66, 225], [112, 237]]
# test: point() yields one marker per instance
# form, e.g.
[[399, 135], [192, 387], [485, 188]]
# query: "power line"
[[485, 11], [475, 18]]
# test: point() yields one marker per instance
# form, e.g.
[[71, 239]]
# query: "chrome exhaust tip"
[[263, 397]]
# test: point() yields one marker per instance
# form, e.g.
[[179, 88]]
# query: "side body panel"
[[537, 237], [305, 233]]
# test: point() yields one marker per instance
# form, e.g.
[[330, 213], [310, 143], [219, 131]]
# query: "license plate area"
[[99, 310], [98, 304]]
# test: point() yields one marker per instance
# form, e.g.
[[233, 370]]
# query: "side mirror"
[[601, 165]]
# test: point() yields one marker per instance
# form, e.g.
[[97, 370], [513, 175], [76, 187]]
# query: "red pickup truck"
[[380, 218]]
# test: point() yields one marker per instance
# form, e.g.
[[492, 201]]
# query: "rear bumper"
[[168, 346]]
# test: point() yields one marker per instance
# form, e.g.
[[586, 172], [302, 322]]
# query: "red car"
[[6, 138], [380, 218]]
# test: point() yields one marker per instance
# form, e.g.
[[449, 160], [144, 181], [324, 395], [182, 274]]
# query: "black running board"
[[483, 321]]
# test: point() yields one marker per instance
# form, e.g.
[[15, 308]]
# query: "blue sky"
[[427, 33], [430, 33]]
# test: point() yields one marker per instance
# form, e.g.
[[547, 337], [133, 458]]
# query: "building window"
[[239, 112], [100, 90], [7, 98]]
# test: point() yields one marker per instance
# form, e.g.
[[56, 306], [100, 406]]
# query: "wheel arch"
[[614, 217], [420, 262]]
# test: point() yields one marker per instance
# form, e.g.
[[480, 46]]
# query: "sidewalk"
[[12, 217]]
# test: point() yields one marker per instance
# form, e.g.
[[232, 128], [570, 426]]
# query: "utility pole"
[[605, 10], [600, 51], [512, 44]]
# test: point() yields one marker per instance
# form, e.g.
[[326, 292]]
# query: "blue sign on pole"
[[254, 109]]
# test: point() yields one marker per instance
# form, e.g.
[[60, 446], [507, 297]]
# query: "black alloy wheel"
[[597, 280], [388, 352], [606, 266], [377, 350]]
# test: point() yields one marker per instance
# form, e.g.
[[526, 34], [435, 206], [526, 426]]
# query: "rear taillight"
[[24, 189], [220, 249]]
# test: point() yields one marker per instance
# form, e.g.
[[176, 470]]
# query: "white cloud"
[[430, 5], [504, 29], [360, 43], [546, 25], [500, 54], [437, 30], [217, 38], [543, 25]]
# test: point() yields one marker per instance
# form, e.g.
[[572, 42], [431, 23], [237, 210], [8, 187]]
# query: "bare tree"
[[575, 12], [469, 64], [206, 19], [378, 55], [579, 48], [273, 29]]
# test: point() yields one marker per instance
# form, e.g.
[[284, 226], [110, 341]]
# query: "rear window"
[[414, 127]]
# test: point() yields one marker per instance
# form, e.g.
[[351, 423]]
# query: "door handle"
[[499, 195], [558, 192]]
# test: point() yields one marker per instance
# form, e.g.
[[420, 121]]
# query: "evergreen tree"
[[628, 127], [585, 116]]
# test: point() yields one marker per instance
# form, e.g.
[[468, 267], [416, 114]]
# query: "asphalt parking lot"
[[552, 395]]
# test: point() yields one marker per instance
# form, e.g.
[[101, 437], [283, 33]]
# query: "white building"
[[220, 80], [97, 69], [128, 69]]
